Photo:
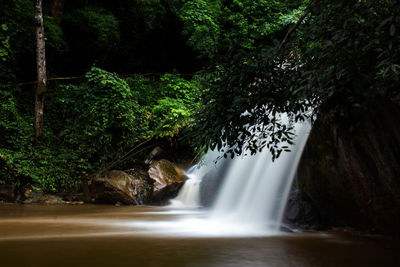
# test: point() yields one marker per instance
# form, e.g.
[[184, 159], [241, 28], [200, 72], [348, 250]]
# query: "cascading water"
[[189, 195], [254, 190], [250, 201]]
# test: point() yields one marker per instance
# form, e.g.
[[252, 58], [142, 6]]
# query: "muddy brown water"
[[108, 236]]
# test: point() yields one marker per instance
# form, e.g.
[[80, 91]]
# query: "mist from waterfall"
[[254, 189], [189, 195]]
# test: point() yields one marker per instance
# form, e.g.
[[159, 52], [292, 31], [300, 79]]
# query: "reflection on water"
[[154, 236]]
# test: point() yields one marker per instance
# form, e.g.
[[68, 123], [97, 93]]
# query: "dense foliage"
[[211, 67], [338, 59], [90, 124]]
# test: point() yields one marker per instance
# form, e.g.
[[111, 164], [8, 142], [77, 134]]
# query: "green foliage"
[[176, 87], [169, 102], [175, 109], [144, 90], [200, 23], [52, 166], [6, 54], [215, 26], [18, 15], [247, 86], [89, 125], [16, 37], [100, 117], [5, 50], [169, 116], [54, 36], [349, 51], [13, 127], [341, 57]]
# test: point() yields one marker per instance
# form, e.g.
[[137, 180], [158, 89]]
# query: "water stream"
[[94, 235], [253, 194]]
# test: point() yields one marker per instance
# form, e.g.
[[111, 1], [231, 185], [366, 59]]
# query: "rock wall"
[[352, 171]]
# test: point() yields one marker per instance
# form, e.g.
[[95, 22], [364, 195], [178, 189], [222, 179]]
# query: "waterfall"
[[189, 195], [254, 189]]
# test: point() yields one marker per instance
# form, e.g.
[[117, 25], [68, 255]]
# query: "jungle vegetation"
[[124, 72]]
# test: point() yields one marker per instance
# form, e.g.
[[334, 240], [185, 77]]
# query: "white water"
[[256, 189], [253, 196], [189, 195]]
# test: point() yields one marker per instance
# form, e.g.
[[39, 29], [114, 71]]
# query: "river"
[[157, 236]]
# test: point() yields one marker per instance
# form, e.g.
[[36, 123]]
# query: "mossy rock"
[[168, 179]]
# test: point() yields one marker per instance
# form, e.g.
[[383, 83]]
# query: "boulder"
[[33, 196], [300, 211], [119, 186], [350, 169], [168, 179]]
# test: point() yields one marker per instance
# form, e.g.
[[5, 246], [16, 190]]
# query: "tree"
[[41, 72], [244, 76], [339, 58]]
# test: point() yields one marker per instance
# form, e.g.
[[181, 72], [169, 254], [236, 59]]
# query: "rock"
[[168, 179], [300, 211], [352, 173], [7, 193], [51, 200], [118, 186], [74, 203], [32, 196], [73, 197]]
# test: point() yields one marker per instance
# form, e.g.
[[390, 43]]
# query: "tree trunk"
[[41, 72]]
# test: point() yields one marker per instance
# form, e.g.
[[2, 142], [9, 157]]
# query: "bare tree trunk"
[[41, 72]]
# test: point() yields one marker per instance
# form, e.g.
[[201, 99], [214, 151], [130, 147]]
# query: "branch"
[[115, 162], [306, 12], [82, 77]]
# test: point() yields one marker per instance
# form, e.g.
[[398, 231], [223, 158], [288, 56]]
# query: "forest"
[[199, 133], [192, 75]]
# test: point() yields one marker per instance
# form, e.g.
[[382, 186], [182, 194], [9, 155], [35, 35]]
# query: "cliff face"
[[353, 176]]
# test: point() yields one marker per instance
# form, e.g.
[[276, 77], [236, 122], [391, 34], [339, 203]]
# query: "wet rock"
[[74, 203], [168, 179], [32, 196], [75, 197], [7, 193], [300, 211], [119, 186], [51, 200], [352, 173]]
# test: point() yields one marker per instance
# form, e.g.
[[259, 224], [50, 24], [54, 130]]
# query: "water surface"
[[157, 236]]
